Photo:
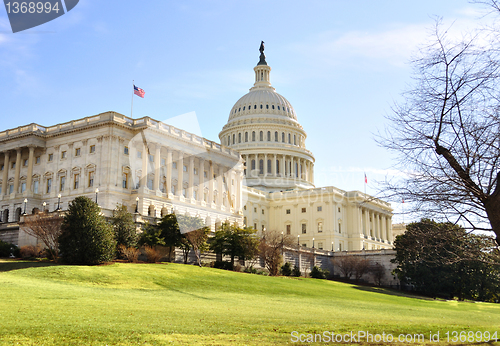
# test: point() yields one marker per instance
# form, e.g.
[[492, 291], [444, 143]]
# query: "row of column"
[[281, 166], [378, 227], [5, 176], [213, 184]]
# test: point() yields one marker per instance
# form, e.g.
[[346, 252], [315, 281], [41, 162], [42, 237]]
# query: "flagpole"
[[132, 107]]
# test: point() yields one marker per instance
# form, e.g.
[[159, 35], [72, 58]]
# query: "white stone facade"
[[262, 175]]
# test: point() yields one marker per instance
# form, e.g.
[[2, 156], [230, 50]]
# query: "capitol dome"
[[263, 127]]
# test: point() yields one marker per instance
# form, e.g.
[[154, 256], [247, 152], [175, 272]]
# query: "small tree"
[[270, 250], [378, 273], [296, 271], [286, 269], [151, 236], [361, 267], [171, 234], [86, 237], [47, 228], [234, 241], [198, 241], [345, 264], [124, 227]]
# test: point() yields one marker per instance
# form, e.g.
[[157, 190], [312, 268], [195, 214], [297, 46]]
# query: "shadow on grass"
[[392, 292], [7, 265]]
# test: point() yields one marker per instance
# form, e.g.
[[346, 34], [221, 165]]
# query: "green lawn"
[[174, 304]]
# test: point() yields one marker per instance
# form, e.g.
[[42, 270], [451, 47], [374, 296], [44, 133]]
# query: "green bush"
[[250, 270], [286, 269], [223, 265], [296, 271], [124, 227], [318, 273], [86, 237], [6, 249]]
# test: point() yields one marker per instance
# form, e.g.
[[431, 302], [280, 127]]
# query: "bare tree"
[[345, 264], [198, 241], [361, 267], [378, 273], [46, 227], [447, 132], [271, 249]]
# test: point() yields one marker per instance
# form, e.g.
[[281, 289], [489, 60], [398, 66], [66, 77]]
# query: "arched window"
[[254, 106], [229, 140], [243, 107], [261, 136], [289, 139], [283, 137], [276, 136], [277, 167], [269, 164], [267, 106], [294, 140], [278, 107], [296, 169], [261, 166], [253, 165], [246, 136], [273, 106], [239, 137], [260, 106], [268, 136], [253, 136], [234, 138]]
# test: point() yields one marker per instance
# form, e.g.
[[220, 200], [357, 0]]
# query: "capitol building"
[[258, 174]]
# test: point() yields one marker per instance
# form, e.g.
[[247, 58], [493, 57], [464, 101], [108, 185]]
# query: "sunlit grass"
[[151, 304]]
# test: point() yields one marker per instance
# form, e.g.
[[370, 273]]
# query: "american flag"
[[366, 179], [139, 92]]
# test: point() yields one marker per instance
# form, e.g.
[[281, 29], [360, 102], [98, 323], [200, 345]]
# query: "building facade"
[[261, 175]]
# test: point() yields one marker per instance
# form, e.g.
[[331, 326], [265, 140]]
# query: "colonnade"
[[376, 225], [279, 165]]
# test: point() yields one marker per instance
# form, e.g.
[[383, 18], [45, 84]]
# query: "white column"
[[144, 178], [169, 172], [238, 191], [265, 165], [211, 183], [5, 176], [156, 182], [191, 177], [220, 189], [201, 184], [30, 169], [17, 171], [180, 174]]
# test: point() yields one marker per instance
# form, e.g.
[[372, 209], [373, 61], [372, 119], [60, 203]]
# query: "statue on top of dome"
[[262, 56]]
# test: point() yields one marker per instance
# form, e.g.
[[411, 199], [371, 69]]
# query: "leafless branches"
[[47, 228]]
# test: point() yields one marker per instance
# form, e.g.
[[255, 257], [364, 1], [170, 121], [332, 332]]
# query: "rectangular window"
[[320, 227], [254, 210], [125, 150], [255, 226], [288, 211], [304, 228], [320, 208], [262, 211], [91, 179], [62, 183], [76, 183], [288, 229], [23, 187], [339, 209], [51, 157], [49, 185], [92, 149], [78, 151], [340, 228], [11, 189], [63, 155], [37, 160], [35, 186], [125, 180], [303, 210], [25, 162]]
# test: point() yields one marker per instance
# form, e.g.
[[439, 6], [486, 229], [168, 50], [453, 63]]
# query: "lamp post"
[[137, 205], [298, 240], [44, 204], [313, 243], [96, 192], [25, 202], [332, 246], [59, 202]]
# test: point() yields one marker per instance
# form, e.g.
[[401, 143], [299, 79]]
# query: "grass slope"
[[151, 304]]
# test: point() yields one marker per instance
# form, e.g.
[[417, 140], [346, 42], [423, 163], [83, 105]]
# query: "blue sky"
[[341, 64]]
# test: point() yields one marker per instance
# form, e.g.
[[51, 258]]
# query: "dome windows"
[[243, 108], [246, 136], [267, 106], [268, 136], [276, 136], [261, 106], [261, 136], [278, 107], [254, 106], [273, 106], [253, 136]]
